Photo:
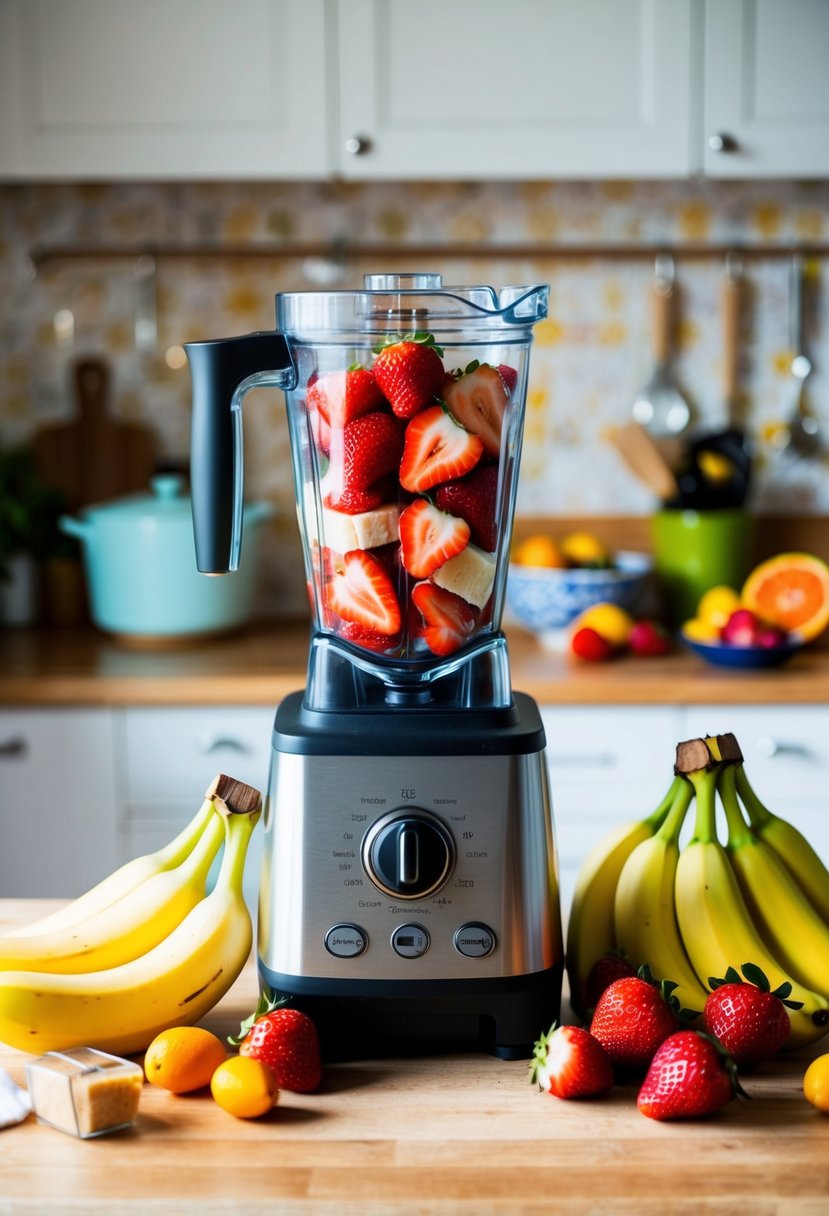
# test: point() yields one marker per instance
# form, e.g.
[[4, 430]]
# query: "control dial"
[[408, 853]]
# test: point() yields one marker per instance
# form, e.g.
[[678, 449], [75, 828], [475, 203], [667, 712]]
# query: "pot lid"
[[166, 501]]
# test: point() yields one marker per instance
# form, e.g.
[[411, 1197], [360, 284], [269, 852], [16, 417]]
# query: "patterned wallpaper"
[[590, 357]]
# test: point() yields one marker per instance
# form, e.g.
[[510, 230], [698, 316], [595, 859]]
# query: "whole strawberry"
[[632, 1018], [611, 966], [749, 1019], [569, 1063], [689, 1076], [287, 1041], [410, 373]]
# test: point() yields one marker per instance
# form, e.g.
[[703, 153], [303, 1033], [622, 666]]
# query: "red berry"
[[410, 373], [741, 628], [569, 1063], [478, 399], [648, 638], [587, 644], [631, 1019], [602, 974], [690, 1075], [287, 1041], [750, 1021]]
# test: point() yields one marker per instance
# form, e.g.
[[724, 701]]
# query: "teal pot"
[[140, 564]]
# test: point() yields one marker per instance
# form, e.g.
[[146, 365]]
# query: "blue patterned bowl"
[[543, 600]]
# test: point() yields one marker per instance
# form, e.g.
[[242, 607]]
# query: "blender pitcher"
[[409, 885], [405, 497]]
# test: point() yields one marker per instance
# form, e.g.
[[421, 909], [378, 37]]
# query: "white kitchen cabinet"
[[607, 765], [167, 759], [766, 98], [163, 89], [58, 802], [532, 89]]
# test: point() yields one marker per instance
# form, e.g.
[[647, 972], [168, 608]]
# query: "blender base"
[[365, 1018]]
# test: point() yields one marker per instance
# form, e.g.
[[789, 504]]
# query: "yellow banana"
[[134, 924], [123, 1008], [644, 915], [715, 924], [789, 844], [590, 931], [123, 880], [792, 929]]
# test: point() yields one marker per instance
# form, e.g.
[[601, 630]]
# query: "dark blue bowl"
[[722, 655]]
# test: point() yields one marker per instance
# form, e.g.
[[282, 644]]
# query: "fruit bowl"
[[543, 600], [723, 655]]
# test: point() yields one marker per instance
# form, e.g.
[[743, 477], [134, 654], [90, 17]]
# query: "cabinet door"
[[162, 88], [58, 810], [766, 100], [536, 88]]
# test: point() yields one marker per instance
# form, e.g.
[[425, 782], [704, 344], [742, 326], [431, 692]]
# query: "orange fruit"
[[717, 604], [816, 1083], [699, 630], [245, 1087], [183, 1058], [792, 592], [584, 549], [539, 551]]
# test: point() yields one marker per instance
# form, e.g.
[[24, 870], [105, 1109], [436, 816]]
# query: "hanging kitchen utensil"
[[646, 459], [94, 457], [660, 406], [801, 436]]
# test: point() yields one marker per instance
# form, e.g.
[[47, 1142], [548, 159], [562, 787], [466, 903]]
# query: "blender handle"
[[222, 371]]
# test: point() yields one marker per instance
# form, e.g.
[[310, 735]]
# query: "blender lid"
[[406, 302]]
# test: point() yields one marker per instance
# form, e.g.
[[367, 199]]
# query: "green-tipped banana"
[[131, 926], [123, 1008], [123, 880], [716, 925], [789, 844], [590, 931], [645, 918], [789, 924]]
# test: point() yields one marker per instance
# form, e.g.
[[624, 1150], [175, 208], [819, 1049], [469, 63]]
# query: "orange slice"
[[792, 592]]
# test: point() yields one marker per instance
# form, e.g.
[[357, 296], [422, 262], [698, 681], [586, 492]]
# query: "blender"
[[409, 888]]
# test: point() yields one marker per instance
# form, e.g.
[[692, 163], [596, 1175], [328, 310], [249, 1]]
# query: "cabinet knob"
[[13, 747], [769, 747], [358, 145], [722, 142]]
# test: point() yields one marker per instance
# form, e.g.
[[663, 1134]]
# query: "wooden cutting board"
[[94, 457]]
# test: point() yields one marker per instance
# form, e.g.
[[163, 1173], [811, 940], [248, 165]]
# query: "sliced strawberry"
[[340, 397], [429, 537], [369, 639], [352, 501], [320, 430], [410, 373], [448, 619], [436, 449], [474, 498], [509, 376], [478, 399], [361, 591]]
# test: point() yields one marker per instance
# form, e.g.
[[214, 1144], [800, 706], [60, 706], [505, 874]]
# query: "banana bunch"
[[145, 949], [690, 913]]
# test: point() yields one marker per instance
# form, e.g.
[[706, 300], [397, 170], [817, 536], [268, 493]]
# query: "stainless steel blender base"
[[412, 887]]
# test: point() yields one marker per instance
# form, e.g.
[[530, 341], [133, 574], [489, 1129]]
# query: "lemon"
[[699, 630], [717, 604], [816, 1083], [584, 549], [610, 622], [183, 1058], [539, 551], [244, 1087]]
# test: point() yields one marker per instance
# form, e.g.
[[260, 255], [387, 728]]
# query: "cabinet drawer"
[[172, 755], [786, 750], [624, 747]]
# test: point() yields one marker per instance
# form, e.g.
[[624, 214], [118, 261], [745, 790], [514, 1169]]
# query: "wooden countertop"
[[421, 1137], [263, 664]]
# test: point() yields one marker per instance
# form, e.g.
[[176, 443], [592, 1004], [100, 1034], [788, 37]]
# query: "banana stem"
[[757, 813], [739, 833], [704, 781], [672, 825], [238, 828], [657, 817]]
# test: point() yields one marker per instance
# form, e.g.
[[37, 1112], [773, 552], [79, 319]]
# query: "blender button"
[[474, 940], [410, 941], [345, 941]]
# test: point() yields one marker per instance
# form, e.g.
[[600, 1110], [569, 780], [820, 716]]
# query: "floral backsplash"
[[591, 355]]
